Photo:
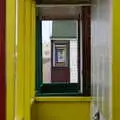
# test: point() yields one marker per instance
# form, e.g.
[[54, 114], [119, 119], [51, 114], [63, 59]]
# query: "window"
[[61, 58]]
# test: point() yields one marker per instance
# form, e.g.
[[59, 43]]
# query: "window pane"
[[60, 51], [46, 50]]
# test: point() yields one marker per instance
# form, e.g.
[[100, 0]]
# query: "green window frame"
[[50, 89], [63, 89]]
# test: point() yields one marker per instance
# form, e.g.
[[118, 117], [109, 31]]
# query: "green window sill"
[[63, 99]]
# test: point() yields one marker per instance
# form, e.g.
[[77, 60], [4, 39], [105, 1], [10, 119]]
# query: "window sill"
[[63, 99]]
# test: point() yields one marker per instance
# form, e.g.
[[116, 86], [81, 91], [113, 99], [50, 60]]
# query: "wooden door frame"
[[86, 49], [64, 68]]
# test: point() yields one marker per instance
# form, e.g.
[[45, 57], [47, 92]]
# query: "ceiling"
[[60, 9], [48, 13]]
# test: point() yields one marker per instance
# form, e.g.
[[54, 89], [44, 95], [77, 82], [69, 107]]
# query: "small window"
[[60, 66], [60, 53]]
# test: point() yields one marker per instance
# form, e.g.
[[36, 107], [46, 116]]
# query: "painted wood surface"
[[2, 61]]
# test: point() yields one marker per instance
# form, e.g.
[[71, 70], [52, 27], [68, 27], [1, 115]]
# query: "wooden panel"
[[61, 108], [20, 71], [60, 74], [2, 61], [115, 60], [60, 12], [10, 59], [33, 48], [27, 44], [86, 23]]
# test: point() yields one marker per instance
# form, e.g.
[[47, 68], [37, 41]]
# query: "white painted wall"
[[73, 62], [101, 35]]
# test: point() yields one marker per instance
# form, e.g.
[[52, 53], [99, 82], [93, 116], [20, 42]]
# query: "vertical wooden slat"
[[39, 74], [115, 60], [86, 23], [27, 43], [2, 61], [10, 58], [20, 70], [33, 47]]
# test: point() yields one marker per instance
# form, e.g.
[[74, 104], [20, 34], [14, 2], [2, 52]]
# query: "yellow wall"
[[61, 108], [20, 27], [10, 43], [20, 89], [33, 44], [20, 71], [116, 62]]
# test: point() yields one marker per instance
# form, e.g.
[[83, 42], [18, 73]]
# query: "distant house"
[[65, 31]]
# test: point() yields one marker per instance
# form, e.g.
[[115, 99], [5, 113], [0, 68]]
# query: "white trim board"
[[64, 39]]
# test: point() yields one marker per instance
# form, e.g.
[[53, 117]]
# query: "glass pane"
[[46, 50], [60, 51]]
